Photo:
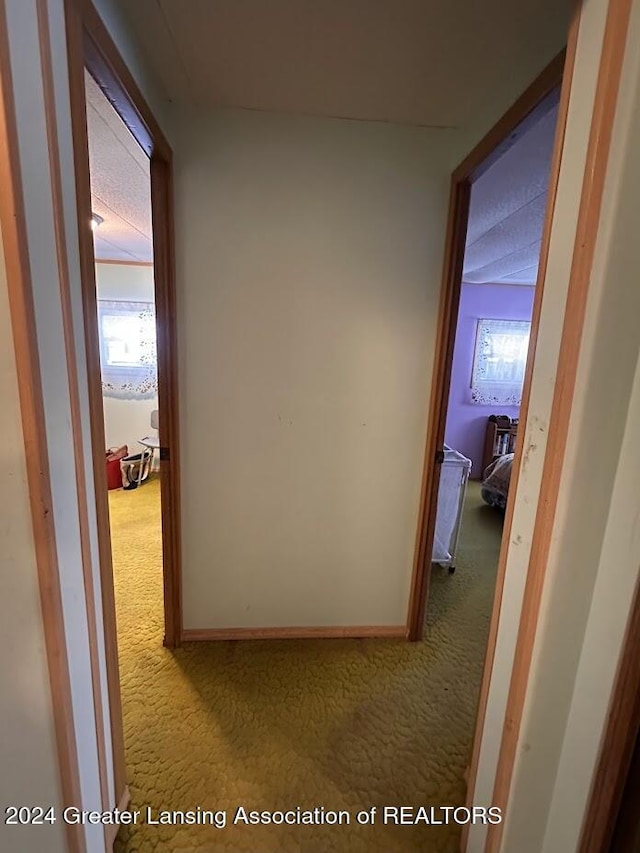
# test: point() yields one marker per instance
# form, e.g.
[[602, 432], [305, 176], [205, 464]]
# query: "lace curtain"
[[128, 349], [499, 362]]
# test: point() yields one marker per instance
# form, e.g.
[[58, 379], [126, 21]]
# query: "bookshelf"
[[500, 438]]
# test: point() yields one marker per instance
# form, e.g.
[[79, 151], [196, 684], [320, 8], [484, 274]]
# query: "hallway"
[[342, 724]]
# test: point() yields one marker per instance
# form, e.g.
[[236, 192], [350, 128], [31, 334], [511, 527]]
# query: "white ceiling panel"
[[424, 62], [518, 265], [120, 183], [508, 235], [526, 276], [507, 209]]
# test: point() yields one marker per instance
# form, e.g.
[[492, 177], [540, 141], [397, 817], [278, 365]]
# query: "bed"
[[495, 481]]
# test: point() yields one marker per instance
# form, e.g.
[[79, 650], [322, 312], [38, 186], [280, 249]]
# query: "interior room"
[[504, 235], [121, 222], [123, 249]]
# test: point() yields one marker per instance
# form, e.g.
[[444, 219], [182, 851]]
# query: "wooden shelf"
[[500, 438]]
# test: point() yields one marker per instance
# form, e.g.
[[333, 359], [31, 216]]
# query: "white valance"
[[499, 362], [128, 358]]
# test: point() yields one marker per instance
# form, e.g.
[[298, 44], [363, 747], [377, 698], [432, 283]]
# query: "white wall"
[[309, 257], [28, 752], [126, 421], [124, 282]]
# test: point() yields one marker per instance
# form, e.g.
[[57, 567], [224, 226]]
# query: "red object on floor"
[[114, 455]]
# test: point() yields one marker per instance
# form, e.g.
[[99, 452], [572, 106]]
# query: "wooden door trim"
[[74, 390], [169, 426], [107, 67], [606, 96], [621, 732], [492, 144], [90, 45], [25, 342], [208, 635], [119, 263], [459, 196], [112, 74], [87, 272], [558, 145]]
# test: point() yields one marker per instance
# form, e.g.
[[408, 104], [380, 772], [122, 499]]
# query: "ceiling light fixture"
[[96, 221]]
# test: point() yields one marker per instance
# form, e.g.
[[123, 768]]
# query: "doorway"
[[126, 319], [123, 250], [485, 347], [92, 54], [491, 342], [525, 112]]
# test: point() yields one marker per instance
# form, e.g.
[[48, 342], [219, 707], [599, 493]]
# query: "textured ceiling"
[[507, 209], [120, 183], [425, 62]]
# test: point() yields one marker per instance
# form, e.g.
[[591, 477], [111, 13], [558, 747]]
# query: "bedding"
[[495, 481]]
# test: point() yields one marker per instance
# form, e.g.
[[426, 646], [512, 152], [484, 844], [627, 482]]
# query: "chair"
[[151, 442]]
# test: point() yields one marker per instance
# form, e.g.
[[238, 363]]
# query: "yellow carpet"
[[342, 724]]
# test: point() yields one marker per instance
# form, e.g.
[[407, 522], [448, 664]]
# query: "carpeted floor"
[[343, 724]]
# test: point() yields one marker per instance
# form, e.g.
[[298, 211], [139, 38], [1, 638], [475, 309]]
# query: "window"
[[128, 349], [499, 362]]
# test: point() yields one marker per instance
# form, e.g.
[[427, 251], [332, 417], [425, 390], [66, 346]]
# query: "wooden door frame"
[[499, 139], [25, 344], [90, 46], [558, 73], [566, 78], [597, 158]]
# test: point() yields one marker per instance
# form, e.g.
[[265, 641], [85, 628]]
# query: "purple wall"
[[467, 421]]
